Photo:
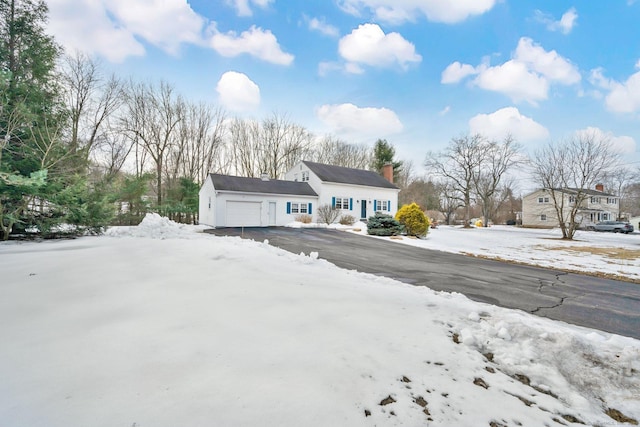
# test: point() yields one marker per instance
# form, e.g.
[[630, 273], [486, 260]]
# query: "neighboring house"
[[538, 209], [231, 201]]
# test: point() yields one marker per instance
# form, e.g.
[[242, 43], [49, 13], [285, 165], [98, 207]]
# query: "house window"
[[298, 208], [209, 202], [572, 199], [595, 199], [543, 217], [543, 199], [305, 176], [382, 205], [342, 203], [612, 201]]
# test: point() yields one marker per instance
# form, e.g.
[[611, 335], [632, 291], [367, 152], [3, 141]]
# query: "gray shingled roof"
[[257, 185], [342, 175], [586, 191]]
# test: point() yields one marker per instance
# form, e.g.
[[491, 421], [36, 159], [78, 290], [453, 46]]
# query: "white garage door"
[[244, 214]]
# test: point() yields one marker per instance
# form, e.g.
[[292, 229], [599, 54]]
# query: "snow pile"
[[175, 327], [156, 227]]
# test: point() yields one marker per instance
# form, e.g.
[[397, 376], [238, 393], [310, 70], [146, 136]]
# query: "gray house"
[[538, 208]]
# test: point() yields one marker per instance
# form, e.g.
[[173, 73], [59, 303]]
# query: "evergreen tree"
[[383, 225], [383, 153], [42, 178]]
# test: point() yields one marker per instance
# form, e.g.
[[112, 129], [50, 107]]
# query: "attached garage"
[[233, 201], [243, 214]]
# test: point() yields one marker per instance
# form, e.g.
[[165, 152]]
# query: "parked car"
[[614, 226]]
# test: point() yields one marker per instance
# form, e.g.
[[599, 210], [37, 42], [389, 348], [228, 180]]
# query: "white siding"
[[206, 207], [243, 214], [328, 190], [263, 200]]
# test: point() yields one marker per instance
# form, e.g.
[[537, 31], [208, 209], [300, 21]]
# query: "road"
[[608, 305]]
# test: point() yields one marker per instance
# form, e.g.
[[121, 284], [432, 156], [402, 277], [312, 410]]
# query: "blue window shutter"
[[333, 202], [351, 204], [375, 205], [310, 209], [389, 205], [288, 207]]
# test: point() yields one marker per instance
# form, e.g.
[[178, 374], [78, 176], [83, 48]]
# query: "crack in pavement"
[[544, 283]]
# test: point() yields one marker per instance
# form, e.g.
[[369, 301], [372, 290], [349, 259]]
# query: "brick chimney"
[[387, 172], [600, 187]]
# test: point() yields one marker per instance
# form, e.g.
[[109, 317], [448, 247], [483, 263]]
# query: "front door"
[[363, 209], [272, 213]]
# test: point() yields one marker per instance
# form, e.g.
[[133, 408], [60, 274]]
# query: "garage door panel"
[[243, 214]]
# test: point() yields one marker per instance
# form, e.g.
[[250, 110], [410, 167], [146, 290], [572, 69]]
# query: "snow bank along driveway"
[[159, 325]]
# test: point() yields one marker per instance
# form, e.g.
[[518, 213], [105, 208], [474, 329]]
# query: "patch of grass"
[[613, 253]]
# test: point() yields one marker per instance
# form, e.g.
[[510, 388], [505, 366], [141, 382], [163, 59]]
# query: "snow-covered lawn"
[[609, 254], [162, 325]]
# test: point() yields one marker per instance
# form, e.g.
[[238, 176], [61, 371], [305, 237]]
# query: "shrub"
[[413, 219], [303, 218], [327, 214], [383, 225], [347, 220]]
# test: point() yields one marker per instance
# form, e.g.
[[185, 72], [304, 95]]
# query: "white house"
[[232, 201], [538, 208]]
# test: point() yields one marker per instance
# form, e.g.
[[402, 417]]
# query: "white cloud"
[[399, 11], [516, 80], [621, 144], [237, 92], [321, 26], [243, 7], [564, 25], [549, 64], [597, 78], [508, 121], [369, 45], [623, 97], [456, 72], [256, 42], [115, 28], [349, 118], [445, 111], [525, 77]]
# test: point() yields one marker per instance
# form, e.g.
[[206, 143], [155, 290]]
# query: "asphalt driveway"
[[609, 305]]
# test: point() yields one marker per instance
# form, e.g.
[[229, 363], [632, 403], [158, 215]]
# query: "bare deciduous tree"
[[573, 166], [91, 99], [151, 119], [496, 159], [199, 143], [449, 200], [272, 146], [333, 151], [619, 182], [458, 165]]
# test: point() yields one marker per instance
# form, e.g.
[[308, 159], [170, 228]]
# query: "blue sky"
[[415, 72]]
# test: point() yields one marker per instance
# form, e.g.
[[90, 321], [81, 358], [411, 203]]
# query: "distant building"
[[538, 209]]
